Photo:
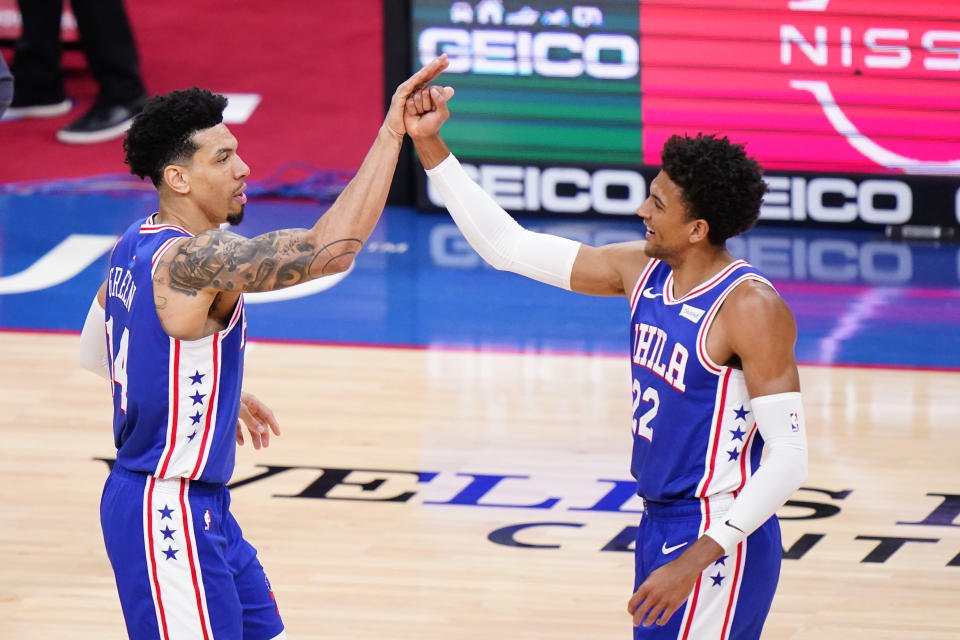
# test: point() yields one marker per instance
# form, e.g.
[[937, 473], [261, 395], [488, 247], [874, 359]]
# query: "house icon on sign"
[[490, 12]]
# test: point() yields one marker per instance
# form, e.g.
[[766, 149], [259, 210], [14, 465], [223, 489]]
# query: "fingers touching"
[[417, 81], [424, 76], [432, 98]]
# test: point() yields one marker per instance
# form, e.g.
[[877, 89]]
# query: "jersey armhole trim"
[[159, 254]]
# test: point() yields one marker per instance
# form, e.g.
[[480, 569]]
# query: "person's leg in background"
[[6, 86], [38, 76], [111, 54]]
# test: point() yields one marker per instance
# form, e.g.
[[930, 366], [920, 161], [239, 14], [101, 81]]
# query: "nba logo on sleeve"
[[794, 421]]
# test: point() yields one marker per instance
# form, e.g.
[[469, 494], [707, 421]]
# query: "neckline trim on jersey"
[[149, 226], [701, 288]]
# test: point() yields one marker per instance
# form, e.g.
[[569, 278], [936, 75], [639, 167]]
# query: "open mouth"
[[240, 196]]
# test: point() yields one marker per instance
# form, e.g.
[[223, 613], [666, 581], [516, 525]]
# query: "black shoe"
[[101, 123], [43, 110]]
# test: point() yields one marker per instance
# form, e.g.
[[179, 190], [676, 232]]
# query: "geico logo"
[[881, 48], [825, 260], [837, 200], [611, 56], [557, 189]]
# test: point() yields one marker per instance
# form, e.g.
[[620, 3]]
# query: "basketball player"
[[175, 352], [714, 376]]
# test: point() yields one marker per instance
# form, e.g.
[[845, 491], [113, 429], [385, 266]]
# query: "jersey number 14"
[[118, 370]]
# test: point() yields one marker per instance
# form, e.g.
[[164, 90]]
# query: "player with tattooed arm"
[[174, 354], [715, 382]]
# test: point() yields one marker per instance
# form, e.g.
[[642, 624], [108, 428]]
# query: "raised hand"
[[395, 114], [426, 110]]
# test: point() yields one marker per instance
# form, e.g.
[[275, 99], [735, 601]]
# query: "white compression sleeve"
[[780, 422], [495, 235], [93, 343]]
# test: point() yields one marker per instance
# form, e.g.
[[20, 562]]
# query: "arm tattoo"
[[226, 261]]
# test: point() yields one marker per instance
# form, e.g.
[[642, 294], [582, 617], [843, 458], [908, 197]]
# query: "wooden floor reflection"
[[387, 552]]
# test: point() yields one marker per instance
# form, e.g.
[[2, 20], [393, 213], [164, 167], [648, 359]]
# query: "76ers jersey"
[[175, 402], [694, 434]]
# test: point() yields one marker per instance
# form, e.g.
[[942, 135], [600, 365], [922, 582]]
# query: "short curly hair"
[[720, 183], [162, 133]]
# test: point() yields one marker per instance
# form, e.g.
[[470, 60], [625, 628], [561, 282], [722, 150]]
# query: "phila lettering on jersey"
[[175, 402], [694, 435]]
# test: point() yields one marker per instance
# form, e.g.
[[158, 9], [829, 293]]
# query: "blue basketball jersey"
[[694, 435], [175, 402]]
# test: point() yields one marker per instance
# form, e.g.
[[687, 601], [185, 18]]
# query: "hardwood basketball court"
[[347, 563]]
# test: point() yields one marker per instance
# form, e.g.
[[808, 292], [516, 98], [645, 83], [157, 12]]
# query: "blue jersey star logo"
[[196, 378], [741, 413], [717, 579], [734, 454], [166, 512], [196, 417], [722, 560], [171, 553], [198, 397], [738, 433], [168, 533], [191, 436]]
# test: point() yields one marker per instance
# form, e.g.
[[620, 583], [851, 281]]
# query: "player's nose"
[[242, 168]]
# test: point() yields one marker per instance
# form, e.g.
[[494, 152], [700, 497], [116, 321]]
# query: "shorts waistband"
[[166, 485], [689, 507]]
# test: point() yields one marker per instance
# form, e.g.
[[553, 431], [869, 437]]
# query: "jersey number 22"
[[641, 424]]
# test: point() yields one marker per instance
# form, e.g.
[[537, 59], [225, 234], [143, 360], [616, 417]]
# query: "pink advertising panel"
[[839, 86]]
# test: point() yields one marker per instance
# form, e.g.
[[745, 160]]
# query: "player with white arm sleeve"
[[715, 381]]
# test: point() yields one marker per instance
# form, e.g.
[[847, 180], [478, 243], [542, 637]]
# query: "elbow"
[[496, 257], [87, 359], [798, 469], [790, 463], [340, 263], [335, 257], [98, 367], [803, 470]]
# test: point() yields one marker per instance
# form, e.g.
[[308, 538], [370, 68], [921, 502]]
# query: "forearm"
[[357, 210], [286, 257], [490, 230], [780, 422], [92, 354], [431, 150]]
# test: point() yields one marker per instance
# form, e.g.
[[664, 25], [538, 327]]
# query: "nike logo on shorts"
[[668, 550]]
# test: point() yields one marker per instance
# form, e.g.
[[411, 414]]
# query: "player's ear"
[[699, 230], [176, 178]]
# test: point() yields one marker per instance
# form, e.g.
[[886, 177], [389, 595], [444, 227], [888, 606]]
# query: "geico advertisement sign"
[[621, 191], [814, 85], [554, 54]]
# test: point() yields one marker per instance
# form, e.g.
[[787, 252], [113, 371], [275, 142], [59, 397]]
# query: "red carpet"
[[318, 67]]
